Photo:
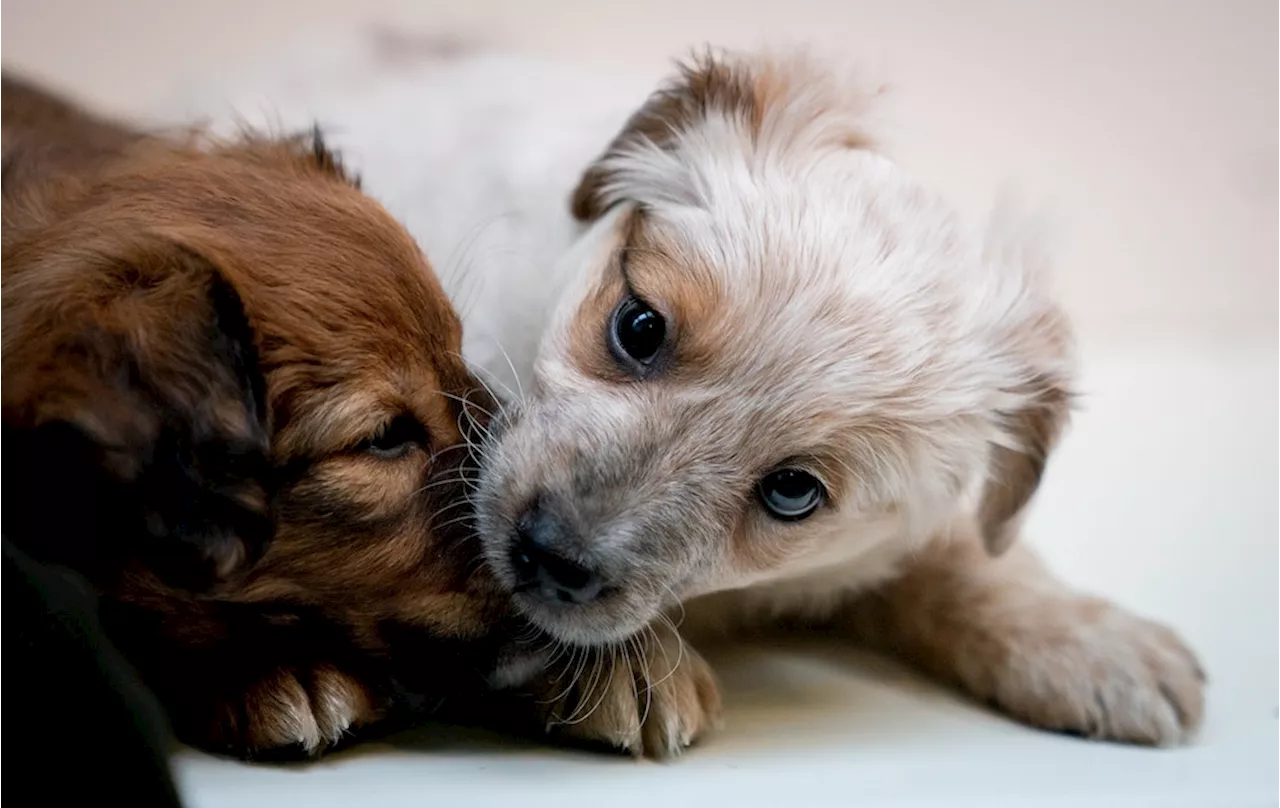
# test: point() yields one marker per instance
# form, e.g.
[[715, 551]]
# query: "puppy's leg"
[[292, 713], [261, 681], [654, 695], [1010, 634]]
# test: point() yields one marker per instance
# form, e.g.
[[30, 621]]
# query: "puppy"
[[759, 371], [232, 397]]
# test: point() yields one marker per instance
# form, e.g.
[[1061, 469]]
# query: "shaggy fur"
[[233, 397], [824, 312]]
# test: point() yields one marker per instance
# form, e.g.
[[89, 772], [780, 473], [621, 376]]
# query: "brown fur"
[[241, 314]]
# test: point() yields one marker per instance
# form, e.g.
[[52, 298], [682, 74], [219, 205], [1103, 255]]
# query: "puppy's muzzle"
[[541, 560]]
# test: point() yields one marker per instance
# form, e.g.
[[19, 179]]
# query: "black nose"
[[540, 562]]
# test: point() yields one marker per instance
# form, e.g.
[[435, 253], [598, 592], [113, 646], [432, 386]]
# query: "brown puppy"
[[232, 396]]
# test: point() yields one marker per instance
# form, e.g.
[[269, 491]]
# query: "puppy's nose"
[[542, 566]]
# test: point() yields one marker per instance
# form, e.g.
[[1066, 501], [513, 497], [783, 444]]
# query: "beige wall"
[[1149, 129]]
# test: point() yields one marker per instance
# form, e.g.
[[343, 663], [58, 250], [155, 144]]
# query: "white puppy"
[[761, 371]]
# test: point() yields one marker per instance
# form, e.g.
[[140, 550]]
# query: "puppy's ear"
[[1014, 472], [707, 85], [136, 422], [760, 101]]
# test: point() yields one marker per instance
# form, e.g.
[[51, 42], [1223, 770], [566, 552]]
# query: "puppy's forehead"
[[838, 277], [850, 220]]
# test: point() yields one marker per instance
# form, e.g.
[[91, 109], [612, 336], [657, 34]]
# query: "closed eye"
[[397, 438]]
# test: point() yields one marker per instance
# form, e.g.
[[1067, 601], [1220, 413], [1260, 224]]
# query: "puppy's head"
[[251, 348], [779, 355]]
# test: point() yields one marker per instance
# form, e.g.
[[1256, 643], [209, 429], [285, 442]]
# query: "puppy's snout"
[[539, 558]]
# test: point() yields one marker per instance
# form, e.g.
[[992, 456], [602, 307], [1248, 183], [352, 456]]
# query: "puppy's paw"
[[1087, 667], [653, 696], [291, 714]]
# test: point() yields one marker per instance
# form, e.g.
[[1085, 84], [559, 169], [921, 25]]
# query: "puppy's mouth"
[[590, 624]]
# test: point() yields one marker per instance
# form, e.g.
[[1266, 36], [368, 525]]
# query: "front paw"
[[1087, 667], [652, 696], [286, 714]]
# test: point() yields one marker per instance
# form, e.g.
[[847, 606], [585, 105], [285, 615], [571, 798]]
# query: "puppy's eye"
[[638, 331], [791, 494], [396, 439]]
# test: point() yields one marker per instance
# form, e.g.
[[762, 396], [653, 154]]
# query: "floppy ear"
[[704, 86], [766, 101], [1014, 473], [135, 416]]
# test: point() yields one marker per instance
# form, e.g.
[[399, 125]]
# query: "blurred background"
[[1147, 130], [1146, 127]]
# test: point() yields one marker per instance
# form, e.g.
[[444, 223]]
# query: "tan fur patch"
[[1015, 473]]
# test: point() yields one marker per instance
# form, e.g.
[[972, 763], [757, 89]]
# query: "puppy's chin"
[[611, 620]]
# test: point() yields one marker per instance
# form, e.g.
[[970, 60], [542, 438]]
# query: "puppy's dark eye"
[[401, 436], [638, 331], [790, 494]]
